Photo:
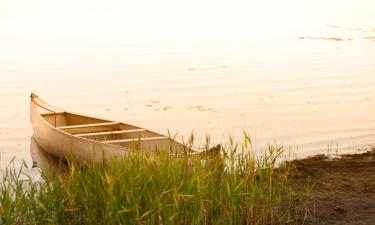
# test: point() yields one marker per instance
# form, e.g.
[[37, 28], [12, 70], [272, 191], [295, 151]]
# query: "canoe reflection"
[[40, 157]]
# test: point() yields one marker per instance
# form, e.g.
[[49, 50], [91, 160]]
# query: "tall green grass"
[[229, 189]]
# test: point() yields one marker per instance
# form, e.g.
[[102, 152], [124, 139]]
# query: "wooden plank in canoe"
[[91, 128], [134, 140], [52, 113], [109, 133], [87, 125]]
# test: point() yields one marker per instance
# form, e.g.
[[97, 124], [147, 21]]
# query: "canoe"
[[64, 134]]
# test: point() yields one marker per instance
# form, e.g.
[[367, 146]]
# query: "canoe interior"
[[110, 132], [69, 119]]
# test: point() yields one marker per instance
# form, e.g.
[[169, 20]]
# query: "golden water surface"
[[298, 73]]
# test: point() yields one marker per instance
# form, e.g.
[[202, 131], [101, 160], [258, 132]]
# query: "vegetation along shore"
[[231, 189]]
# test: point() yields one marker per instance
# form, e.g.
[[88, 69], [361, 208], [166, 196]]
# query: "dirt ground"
[[343, 189]]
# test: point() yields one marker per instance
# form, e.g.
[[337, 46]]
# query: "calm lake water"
[[297, 74]]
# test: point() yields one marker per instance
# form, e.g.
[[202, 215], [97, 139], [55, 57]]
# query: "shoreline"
[[342, 188], [320, 189]]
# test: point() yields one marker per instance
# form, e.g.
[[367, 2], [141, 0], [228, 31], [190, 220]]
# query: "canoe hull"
[[63, 145], [68, 135]]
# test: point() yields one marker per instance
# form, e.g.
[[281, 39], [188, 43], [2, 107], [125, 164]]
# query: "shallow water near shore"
[[310, 89]]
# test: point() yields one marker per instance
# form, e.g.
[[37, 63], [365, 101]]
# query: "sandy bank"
[[343, 189]]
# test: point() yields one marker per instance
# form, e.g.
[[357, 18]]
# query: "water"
[[299, 74]]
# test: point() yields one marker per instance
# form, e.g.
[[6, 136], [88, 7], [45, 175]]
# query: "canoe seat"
[[134, 140], [109, 133], [88, 125], [53, 113]]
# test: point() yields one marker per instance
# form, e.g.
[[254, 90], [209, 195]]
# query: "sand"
[[343, 189]]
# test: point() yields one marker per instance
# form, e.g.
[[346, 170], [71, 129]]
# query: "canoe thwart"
[[134, 140], [109, 133], [53, 113], [88, 125]]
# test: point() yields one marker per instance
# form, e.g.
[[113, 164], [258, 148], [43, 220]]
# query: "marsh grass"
[[229, 189]]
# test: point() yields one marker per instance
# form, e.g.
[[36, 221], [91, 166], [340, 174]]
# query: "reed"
[[229, 189]]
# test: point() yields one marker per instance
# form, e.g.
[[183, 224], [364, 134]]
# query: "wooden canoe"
[[63, 134]]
